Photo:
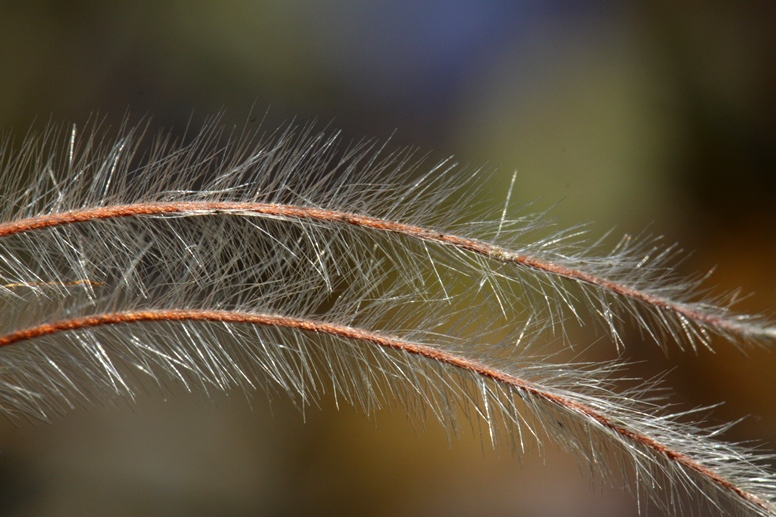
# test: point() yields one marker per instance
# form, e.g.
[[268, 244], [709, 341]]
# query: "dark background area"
[[633, 115]]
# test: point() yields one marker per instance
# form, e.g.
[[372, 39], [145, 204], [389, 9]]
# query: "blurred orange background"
[[634, 115]]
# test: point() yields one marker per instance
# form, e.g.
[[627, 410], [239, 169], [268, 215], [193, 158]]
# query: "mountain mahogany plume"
[[290, 262]]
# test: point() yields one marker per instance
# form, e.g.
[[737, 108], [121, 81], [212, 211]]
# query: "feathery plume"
[[286, 263]]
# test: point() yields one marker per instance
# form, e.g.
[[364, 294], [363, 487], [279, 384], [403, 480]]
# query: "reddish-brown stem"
[[491, 251], [425, 351]]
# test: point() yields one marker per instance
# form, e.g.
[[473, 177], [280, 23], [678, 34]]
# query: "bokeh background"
[[650, 115]]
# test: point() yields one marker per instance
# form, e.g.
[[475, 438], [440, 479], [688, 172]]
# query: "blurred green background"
[[634, 115]]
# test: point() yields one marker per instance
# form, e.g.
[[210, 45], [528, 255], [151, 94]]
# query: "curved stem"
[[484, 249], [433, 354]]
